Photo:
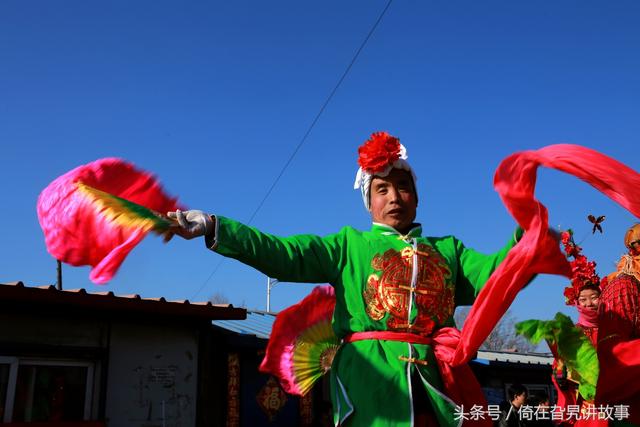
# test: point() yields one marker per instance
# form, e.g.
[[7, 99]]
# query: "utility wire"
[[304, 138]]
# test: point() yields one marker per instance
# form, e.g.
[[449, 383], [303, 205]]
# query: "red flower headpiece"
[[380, 151], [583, 272]]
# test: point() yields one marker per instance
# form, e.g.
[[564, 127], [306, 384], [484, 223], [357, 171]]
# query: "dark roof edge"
[[15, 292]]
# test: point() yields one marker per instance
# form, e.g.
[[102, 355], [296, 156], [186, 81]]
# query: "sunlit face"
[[589, 298], [393, 200]]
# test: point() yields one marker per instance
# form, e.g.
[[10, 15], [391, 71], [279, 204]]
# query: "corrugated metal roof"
[[16, 293], [259, 323], [514, 357]]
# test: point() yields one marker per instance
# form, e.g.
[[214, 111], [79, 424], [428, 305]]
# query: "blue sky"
[[213, 97]]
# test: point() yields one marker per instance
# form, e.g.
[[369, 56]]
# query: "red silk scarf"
[[538, 251]]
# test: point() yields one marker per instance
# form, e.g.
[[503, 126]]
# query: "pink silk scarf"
[[587, 317]]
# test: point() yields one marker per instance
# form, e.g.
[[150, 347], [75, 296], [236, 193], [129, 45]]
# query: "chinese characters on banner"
[[233, 391], [271, 398], [306, 410]]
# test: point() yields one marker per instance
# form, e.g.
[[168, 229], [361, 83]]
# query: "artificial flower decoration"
[[380, 151], [570, 295], [583, 272], [97, 213]]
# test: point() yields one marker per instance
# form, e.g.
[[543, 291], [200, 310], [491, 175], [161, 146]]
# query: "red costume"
[[584, 277], [618, 343]]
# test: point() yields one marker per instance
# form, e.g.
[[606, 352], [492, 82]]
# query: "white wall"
[[152, 376]]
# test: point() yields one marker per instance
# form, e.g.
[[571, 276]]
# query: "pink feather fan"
[[97, 213], [302, 343]]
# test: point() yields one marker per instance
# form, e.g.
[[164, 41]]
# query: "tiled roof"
[[16, 292], [259, 323]]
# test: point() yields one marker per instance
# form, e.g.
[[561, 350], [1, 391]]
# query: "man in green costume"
[[394, 289]]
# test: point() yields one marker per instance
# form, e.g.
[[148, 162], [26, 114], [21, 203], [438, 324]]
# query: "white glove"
[[191, 224]]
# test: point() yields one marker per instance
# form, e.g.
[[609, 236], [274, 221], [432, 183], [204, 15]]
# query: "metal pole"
[[270, 284], [59, 282], [268, 293]]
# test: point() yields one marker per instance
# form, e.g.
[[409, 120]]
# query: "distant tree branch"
[[503, 337], [219, 298]]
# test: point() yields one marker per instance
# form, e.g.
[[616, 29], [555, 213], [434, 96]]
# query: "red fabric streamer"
[[538, 251], [459, 382]]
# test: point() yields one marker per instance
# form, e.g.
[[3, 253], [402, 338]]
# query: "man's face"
[[519, 400], [393, 200]]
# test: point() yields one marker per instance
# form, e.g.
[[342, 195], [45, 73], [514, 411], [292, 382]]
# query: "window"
[[538, 390], [34, 390], [8, 371], [4, 383]]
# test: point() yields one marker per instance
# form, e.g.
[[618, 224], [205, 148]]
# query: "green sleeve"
[[475, 268], [300, 258]]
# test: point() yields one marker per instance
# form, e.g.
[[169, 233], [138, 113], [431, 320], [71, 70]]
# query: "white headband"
[[363, 178]]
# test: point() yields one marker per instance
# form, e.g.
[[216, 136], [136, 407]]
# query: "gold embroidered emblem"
[[374, 309], [391, 292]]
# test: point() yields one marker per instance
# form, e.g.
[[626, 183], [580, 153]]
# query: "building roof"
[[259, 324], [15, 293], [514, 357]]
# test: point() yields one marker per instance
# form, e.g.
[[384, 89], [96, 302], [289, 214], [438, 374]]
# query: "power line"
[[304, 138]]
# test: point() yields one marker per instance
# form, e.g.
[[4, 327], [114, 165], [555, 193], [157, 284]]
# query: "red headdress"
[[379, 152], [378, 156], [583, 272]]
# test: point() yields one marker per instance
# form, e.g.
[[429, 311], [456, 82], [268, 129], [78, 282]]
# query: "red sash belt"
[[460, 384], [388, 336]]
